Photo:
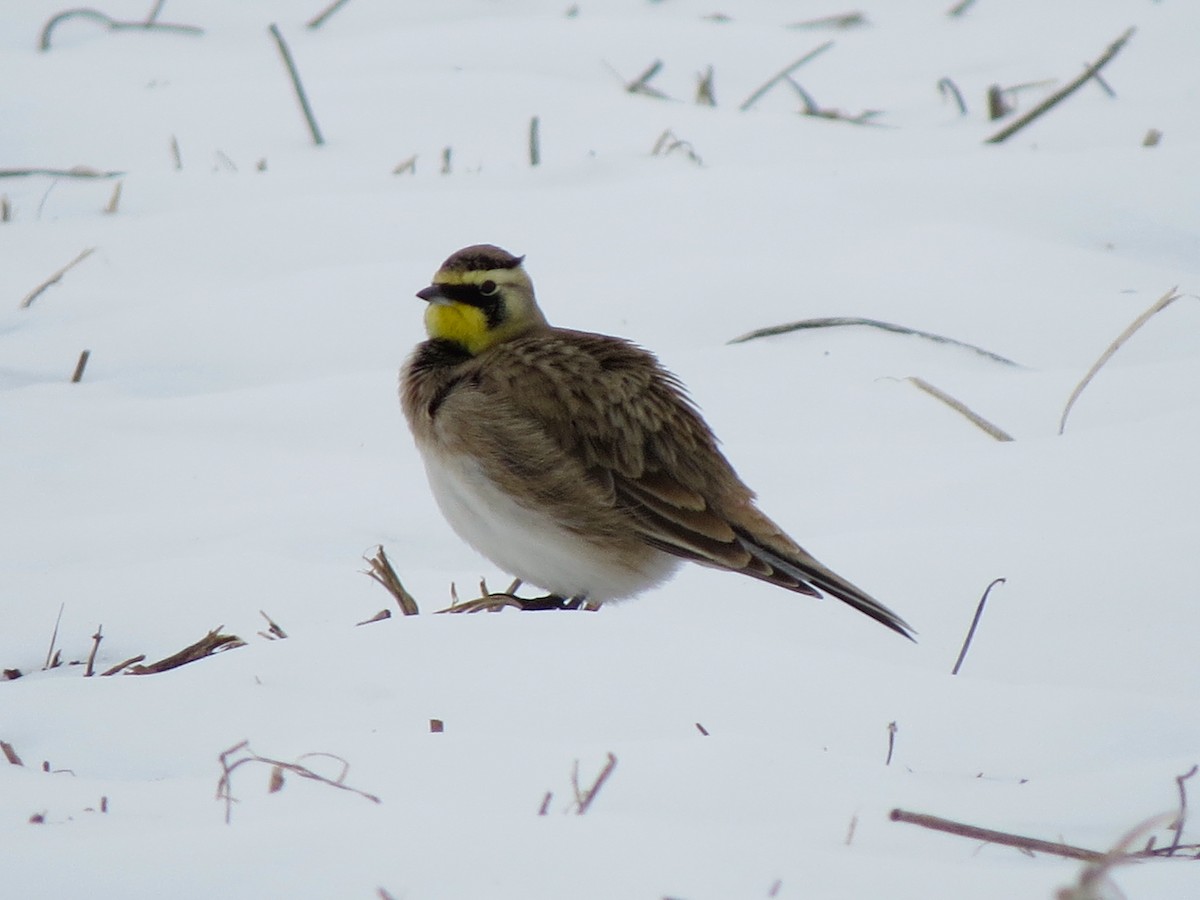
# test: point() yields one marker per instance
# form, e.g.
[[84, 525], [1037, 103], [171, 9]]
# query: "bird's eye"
[[488, 288]]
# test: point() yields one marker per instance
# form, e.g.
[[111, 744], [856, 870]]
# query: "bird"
[[575, 461]]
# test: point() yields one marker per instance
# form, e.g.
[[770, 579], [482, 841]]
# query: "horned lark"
[[574, 461]]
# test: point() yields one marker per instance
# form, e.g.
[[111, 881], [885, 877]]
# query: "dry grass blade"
[[123, 665], [1091, 884], [960, 8], [319, 19], [1181, 816], [90, 668], [55, 278], [50, 655], [278, 767], [962, 654], [1033, 845], [381, 570], [73, 172], [274, 632], [535, 142], [583, 799], [705, 92], [947, 88], [10, 754], [838, 21], [641, 84], [111, 24], [286, 54], [1162, 303], [77, 376], [961, 408], [211, 643], [784, 74], [843, 321], [1058, 96], [114, 201]]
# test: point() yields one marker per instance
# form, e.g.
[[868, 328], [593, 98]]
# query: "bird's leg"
[[496, 602]]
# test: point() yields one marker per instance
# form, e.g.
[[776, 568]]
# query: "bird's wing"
[[611, 408]]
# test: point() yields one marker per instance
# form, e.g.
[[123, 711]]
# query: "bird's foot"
[[497, 602]]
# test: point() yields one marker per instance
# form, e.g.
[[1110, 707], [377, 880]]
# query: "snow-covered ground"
[[236, 445]]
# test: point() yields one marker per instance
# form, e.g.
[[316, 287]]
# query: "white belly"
[[529, 544]]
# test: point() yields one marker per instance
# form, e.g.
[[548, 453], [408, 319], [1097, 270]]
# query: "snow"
[[236, 445]]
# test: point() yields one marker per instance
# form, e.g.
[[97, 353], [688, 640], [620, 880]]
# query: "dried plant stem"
[[961, 408], [641, 84], [946, 87], [211, 643], [784, 74], [840, 321], [1181, 817], [535, 143], [77, 376], [1162, 303], [583, 799], [1058, 96], [123, 665], [995, 837], [286, 53], [891, 730], [90, 669], [111, 24], [55, 278], [962, 654], [961, 7], [381, 570], [73, 172], [10, 754], [840, 20], [115, 199], [54, 637], [319, 19], [225, 788]]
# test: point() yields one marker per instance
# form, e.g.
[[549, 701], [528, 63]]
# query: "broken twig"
[[55, 278], [211, 643], [961, 408], [1159, 305], [1058, 96]]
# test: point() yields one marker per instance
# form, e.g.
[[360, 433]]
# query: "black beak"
[[433, 292]]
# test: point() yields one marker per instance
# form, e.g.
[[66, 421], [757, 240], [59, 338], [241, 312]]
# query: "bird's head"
[[480, 297]]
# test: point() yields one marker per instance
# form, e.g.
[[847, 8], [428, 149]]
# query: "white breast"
[[528, 543]]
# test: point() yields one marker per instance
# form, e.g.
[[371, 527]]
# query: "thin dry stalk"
[[962, 654], [225, 786], [784, 74], [960, 8], [641, 84], [175, 156], [891, 730], [5, 209], [381, 571], [10, 754], [535, 142], [583, 799], [90, 668], [1181, 816], [840, 21], [73, 172], [123, 665], [274, 632], [1091, 884], [841, 321], [545, 807], [408, 166], [705, 93], [947, 88], [851, 829], [1032, 845], [111, 24], [50, 654], [115, 200], [319, 19], [211, 643], [378, 617], [667, 144], [55, 278], [961, 408], [1058, 96], [77, 375], [286, 53], [1159, 305], [700, 728], [447, 155]]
